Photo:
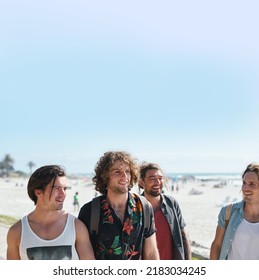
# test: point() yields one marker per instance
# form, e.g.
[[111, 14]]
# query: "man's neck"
[[251, 212], [118, 203], [117, 200], [154, 200]]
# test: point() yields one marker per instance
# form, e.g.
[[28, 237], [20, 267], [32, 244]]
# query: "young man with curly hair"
[[121, 231]]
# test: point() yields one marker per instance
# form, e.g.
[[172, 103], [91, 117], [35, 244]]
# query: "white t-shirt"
[[245, 245], [32, 247]]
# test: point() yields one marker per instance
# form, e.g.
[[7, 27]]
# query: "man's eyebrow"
[[118, 168], [154, 176], [115, 169], [58, 186]]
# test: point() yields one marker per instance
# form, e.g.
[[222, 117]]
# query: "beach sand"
[[199, 210]]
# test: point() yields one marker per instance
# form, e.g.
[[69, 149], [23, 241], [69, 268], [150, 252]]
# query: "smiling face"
[[153, 182], [250, 187], [54, 195], [119, 179]]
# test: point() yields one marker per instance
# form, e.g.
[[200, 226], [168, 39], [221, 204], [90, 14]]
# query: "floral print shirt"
[[117, 240]]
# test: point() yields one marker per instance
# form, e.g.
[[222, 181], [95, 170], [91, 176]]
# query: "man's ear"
[[141, 184], [38, 192]]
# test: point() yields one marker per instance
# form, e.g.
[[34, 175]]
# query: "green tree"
[[6, 165], [31, 165], [1, 169]]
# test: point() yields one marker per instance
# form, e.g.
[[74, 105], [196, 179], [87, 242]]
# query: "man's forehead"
[[251, 175], [59, 180], [119, 165], [154, 172]]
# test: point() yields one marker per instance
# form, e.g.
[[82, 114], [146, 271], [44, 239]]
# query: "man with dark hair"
[[121, 231], [172, 240], [48, 232], [238, 238]]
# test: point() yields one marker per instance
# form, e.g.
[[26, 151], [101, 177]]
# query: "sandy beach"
[[200, 203]]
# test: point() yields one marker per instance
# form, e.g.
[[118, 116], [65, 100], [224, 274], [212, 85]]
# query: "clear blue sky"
[[175, 82]]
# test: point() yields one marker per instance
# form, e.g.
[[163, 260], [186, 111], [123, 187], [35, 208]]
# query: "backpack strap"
[[228, 213], [95, 215], [146, 211]]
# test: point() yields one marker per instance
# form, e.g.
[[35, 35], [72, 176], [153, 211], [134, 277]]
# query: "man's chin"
[[123, 190], [155, 194]]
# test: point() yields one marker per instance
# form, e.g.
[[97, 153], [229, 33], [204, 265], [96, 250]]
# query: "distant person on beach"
[[238, 239], [48, 232], [121, 234], [172, 240], [76, 202]]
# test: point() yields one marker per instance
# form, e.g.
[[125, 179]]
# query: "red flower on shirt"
[[128, 227]]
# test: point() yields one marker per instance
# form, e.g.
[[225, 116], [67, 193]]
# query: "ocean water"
[[205, 176]]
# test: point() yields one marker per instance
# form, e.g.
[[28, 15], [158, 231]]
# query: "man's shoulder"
[[170, 200], [168, 197], [94, 202], [14, 231], [89, 203], [85, 210], [236, 206], [141, 198], [16, 226]]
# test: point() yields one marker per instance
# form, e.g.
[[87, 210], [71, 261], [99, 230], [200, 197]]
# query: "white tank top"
[[245, 245], [32, 247]]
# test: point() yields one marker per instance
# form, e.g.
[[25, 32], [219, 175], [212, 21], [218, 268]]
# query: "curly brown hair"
[[103, 167]]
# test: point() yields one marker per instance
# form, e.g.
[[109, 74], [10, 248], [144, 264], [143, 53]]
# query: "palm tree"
[[7, 165], [1, 169], [31, 165]]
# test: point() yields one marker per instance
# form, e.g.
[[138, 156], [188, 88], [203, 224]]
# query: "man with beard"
[[121, 233], [172, 240]]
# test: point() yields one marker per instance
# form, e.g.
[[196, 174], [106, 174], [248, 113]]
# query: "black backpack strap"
[[146, 210], [95, 215]]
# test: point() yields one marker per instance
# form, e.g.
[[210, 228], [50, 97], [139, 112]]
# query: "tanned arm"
[[186, 245], [150, 251]]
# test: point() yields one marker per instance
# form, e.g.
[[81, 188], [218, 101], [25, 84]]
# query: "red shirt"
[[163, 236]]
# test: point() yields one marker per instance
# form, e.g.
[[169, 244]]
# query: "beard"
[[119, 189], [154, 193]]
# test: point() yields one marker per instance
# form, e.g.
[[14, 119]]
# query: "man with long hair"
[[238, 239], [121, 231]]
